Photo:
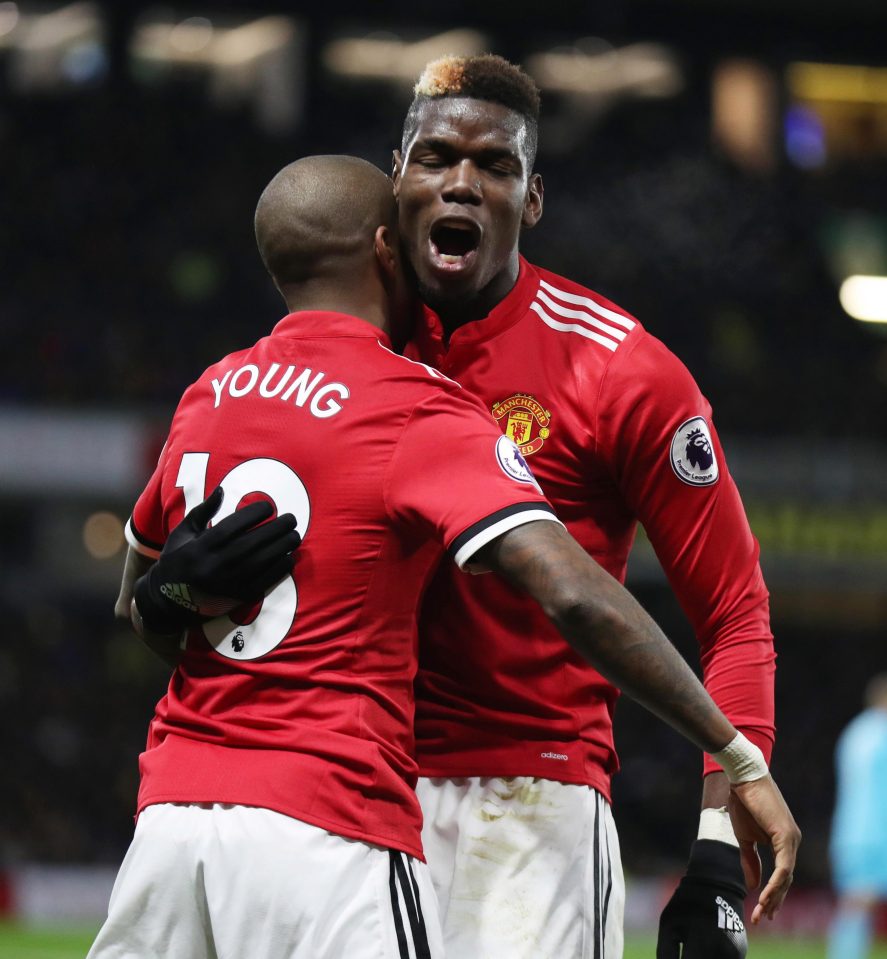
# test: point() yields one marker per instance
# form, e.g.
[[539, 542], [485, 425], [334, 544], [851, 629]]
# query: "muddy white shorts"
[[212, 881], [524, 868]]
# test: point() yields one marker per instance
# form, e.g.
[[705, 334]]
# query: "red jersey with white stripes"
[[305, 706], [616, 431]]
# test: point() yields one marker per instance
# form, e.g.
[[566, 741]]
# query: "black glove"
[[705, 912], [202, 573]]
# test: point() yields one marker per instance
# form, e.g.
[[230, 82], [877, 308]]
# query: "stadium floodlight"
[[9, 18], [865, 298], [197, 41], [49, 47], [191, 35], [389, 57], [639, 69], [252, 41], [59, 28]]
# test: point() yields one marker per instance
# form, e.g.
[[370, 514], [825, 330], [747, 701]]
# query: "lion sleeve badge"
[[692, 453]]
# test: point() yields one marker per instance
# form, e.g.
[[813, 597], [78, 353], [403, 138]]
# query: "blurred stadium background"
[[717, 167]]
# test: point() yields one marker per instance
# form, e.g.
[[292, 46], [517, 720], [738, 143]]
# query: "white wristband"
[[716, 824], [741, 760]]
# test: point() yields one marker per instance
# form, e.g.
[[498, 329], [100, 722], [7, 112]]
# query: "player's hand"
[[760, 814], [203, 572], [705, 913]]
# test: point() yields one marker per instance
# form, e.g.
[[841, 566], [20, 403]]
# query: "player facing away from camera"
[[276, 810], [277, 816], [513, 730]]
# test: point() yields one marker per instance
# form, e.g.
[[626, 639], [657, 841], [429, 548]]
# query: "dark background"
[[128, 264]]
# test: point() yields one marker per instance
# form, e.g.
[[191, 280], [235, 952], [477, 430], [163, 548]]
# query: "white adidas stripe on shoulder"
[[574, 328], [428, 369], [589, 325], [577, 300], [583, 315]]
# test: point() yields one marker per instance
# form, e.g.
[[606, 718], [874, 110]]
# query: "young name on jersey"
[[305, 387]]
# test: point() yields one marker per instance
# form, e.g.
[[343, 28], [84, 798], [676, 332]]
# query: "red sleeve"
[[672, 472], [455, 476], [145, 531]]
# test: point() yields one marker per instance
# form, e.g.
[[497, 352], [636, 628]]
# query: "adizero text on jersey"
[[616, 431], [305, 705]]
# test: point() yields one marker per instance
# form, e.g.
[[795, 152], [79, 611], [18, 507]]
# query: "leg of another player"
[[523, 868], [850, 936]]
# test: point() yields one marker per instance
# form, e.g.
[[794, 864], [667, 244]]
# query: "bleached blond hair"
[[487, 77]]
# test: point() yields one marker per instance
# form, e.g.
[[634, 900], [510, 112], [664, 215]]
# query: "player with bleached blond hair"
[[514, 733]]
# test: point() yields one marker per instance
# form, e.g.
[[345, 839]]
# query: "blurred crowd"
[[130, 262]]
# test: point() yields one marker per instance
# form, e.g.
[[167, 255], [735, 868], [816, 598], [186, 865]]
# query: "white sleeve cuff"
[[485, 531], [151, 550]]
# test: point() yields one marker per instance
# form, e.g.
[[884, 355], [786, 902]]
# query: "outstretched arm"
[[607, 626]]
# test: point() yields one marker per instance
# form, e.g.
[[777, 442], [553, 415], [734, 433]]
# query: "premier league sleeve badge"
[[692, 453]]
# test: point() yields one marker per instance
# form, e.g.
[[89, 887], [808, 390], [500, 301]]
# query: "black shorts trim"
[[402, 880]]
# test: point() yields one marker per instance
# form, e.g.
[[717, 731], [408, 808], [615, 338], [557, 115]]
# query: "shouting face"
[[464, 191]]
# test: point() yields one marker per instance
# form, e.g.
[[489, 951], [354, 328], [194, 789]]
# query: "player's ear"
[[385, 248], [396, 170], [533, 202]]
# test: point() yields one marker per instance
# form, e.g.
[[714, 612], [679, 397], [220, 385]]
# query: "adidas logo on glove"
[[178, 593], [733, 926], [727, 917]]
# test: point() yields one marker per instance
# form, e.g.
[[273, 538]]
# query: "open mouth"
[[454, 243]]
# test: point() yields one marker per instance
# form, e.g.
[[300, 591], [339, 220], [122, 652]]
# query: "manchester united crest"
[[524, 421]]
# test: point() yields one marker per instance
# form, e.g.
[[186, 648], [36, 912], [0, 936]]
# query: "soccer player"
[[276, 811], [514, 732], [859, 828]]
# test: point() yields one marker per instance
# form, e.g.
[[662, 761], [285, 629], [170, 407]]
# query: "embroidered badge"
[[692, 454], [512, 462], [524, 421]]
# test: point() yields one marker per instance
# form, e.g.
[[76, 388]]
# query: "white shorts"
[[524, 868], [211, 881]]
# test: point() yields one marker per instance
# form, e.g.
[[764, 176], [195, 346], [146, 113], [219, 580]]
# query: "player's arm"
[[135, 565], [607, 626], [654, 428], [167, 647]]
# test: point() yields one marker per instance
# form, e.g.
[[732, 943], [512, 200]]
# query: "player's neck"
[[338, 298], [454, 316], [456, 313]]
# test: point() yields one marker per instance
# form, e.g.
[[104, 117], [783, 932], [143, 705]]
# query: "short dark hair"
[[487, 77]]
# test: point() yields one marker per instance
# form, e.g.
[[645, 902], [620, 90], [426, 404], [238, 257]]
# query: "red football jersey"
[[616, 431], [306, 707]]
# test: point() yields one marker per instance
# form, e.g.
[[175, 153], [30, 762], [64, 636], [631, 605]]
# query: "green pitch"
[[24, 942], [758, 948], [21, 942]]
